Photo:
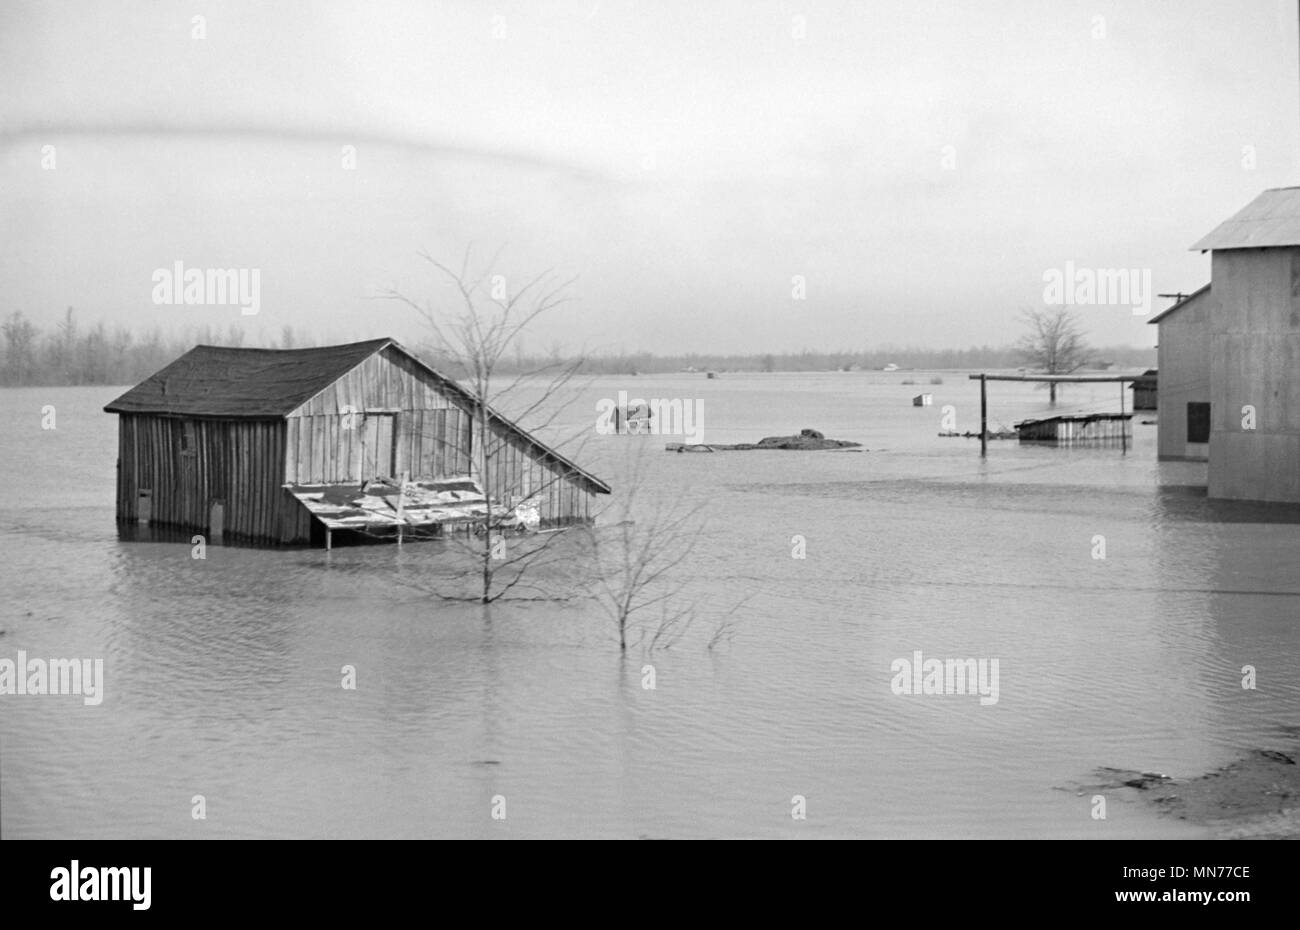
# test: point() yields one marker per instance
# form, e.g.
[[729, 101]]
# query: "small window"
[[1198, 422]]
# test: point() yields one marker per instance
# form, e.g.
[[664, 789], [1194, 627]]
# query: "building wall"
[[387, 399], [516, 473], [187, 465], [332, 438], [1255, 362], [1184, 375]]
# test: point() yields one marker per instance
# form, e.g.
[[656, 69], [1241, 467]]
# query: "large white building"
[[1244, 331]]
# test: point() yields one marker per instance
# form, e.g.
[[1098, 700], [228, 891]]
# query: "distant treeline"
[[866, 360], [70, 354]]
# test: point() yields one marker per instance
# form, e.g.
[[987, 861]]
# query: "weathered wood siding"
[[189, 464], [340, 448], [387, 380], [332, 438], [385, 401], [518, 470]]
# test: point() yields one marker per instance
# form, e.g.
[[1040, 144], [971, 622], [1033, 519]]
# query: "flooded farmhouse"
[[288, 446]]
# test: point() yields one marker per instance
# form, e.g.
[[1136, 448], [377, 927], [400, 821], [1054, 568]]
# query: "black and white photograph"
[[614, 420]]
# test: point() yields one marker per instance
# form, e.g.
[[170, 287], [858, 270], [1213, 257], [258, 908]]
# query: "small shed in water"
[[1063, 430], [1144, 390], [254, 444]]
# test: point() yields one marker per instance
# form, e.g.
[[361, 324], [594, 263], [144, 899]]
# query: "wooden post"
[[1123, 425], [329, 539], [401, 495], [217, 521], [984, 417]]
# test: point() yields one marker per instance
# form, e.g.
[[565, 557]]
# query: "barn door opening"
[[379, 441]]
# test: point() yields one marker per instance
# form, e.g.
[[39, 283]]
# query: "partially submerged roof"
[[1271, 220], [1075, 418], [1178, 306], [236, 383]]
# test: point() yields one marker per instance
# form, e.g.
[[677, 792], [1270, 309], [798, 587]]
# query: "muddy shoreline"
[[1256, 796]]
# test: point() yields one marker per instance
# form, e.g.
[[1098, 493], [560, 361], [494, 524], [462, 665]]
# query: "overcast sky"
[[921, 165]]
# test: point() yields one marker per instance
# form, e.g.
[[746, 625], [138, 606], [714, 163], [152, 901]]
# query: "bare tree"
[[1053, 344], [67, 342], [639, 559], [20, 348], [474, 334]]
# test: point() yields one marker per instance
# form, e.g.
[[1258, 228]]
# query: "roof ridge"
[[342, 345], [234, 381]]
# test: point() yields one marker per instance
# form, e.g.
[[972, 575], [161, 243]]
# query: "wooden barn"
[[285, 446]]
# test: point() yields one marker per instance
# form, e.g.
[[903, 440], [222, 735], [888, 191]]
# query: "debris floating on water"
[[1000, 434], [808, 440]]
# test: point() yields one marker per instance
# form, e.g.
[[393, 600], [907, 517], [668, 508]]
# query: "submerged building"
[[286, 446], [1250, 330], [1145, 390], [1183, 400]]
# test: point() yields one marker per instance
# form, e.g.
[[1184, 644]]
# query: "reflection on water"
[[223, 675]]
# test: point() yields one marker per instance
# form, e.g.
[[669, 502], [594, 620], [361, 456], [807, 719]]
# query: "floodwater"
[[223, 675]]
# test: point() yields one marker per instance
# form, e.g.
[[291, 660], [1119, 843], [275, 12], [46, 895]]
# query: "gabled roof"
[[221, 381], [1178, 306], [1147, 379], [236, 383], [1270, 220]]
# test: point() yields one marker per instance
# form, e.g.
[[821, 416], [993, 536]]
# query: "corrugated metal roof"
[[235, 383], [1270, 220], [1178, 306]]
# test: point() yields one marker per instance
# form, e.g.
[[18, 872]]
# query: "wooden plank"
[[332, 424], [318, 464], [251, 487], [245, 474], [291, 450], [255, 480]]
